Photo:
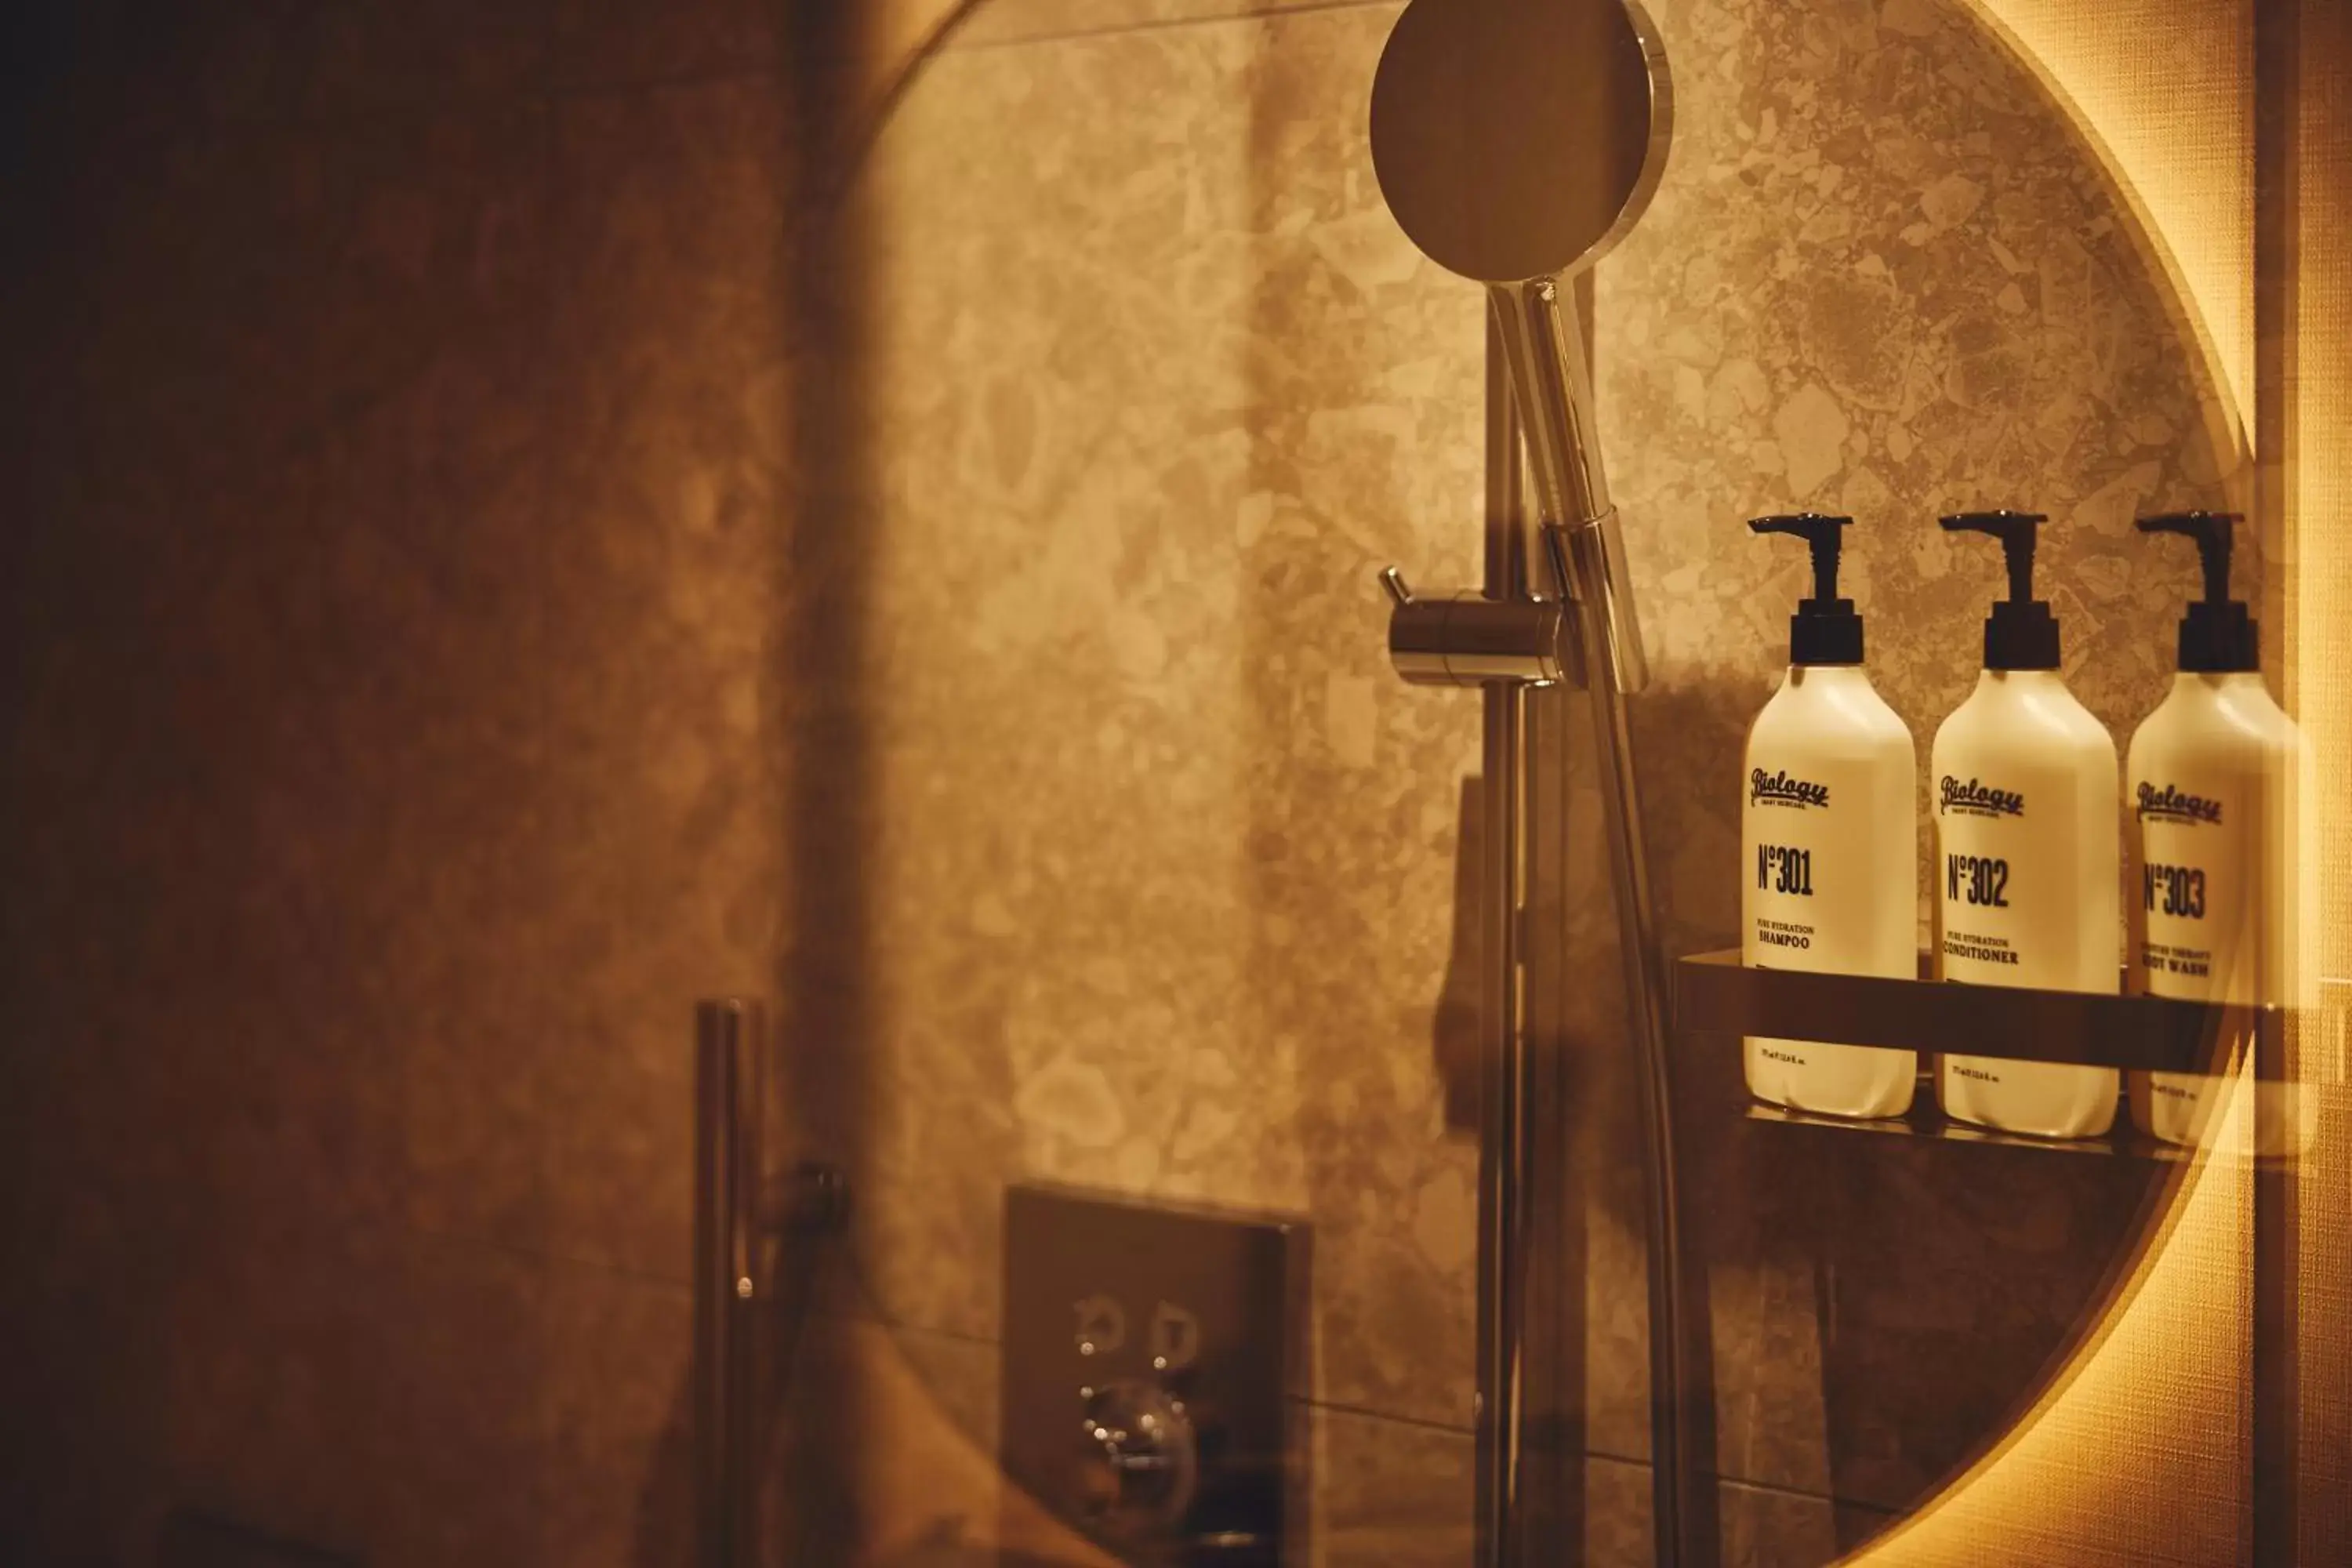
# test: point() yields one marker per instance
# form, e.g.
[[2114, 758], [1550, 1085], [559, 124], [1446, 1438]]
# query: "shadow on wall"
[[825, 1051], [816, 1397]]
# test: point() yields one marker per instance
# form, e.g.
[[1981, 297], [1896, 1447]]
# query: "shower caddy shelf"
[[1923, 1123], [1715, 994]]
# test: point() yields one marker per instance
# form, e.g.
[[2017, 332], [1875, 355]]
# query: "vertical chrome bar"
[[1545, 348], [1544, 343], [1505, 1187], [1543, 339], [1478, 115], [727, 1058], [1553, 1468]]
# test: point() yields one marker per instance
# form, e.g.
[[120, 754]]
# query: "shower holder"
[[1715, 994]]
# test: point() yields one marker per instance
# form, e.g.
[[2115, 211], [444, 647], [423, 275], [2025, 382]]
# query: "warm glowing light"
[[2139, 1450], [2162, 88]]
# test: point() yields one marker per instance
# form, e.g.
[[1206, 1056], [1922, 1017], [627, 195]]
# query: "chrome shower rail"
[[1540, 325], [1507, 1080], [1515, 144], [729, 1049], [1508, 638], [758, 1243]]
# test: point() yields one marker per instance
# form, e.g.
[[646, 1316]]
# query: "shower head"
[[1520, 139], [1516, 141]]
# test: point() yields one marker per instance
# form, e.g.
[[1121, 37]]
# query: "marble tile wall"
[[1153, 912], [342, 1215], [1904, 294], [459, 618], [1909, 294], [1152, 395]]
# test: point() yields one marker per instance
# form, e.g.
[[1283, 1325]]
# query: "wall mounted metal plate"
[[1148, 1354]]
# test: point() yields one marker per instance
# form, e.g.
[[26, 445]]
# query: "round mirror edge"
[[2227, 367], [2229, 425]]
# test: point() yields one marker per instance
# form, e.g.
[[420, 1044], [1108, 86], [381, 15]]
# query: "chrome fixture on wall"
[[728, 1056], [1516, 141], [747, 1308]]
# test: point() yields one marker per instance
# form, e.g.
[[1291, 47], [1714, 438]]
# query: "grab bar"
[[730, 1047]]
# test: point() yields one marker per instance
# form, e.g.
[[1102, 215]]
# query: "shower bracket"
[[1470, 639]]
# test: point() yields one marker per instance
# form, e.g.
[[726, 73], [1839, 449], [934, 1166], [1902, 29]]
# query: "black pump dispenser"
[[2020, 633], [1826, 629], [2218, 636]]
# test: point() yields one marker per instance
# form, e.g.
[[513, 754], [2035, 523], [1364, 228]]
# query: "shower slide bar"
[[754, 1271], [730, 1050], [1516, 143]]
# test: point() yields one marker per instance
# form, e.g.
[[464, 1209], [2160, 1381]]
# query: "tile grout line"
[[1772, 1488], [950, 45], [1418, 1423], [550, 90]]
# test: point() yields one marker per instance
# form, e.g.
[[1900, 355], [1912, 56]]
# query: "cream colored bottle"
[[2028, 863], [1829, 842], [2207, 790]]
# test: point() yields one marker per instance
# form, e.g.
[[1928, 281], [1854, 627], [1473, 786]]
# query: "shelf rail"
[[729, 1048], [1714, 993]]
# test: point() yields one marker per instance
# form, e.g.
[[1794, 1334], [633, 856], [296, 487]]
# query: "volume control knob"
[[1138, 1459]]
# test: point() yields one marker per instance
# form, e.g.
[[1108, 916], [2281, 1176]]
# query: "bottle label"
[[2195, 937], [2026, 880], [1781, 788], [1829, 882], [2028, 875], [1976, 884], [2173, 804], [1818, 893], [2213, 899], [1974, 799]]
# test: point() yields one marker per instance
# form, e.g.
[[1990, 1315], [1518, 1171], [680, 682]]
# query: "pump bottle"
[[2028, 853], [2208, 788], [1828, 836]]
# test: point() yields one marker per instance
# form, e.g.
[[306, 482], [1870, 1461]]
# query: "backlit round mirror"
[[1136, 381], [1514, 141]]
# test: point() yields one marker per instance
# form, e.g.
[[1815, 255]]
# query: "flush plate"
[[1148, 1352]]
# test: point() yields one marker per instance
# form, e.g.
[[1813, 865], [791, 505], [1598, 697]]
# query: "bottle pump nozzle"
[[2020, 633], [2217, 635], [1824, 630]]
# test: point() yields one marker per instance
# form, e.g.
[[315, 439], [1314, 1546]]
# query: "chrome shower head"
[[1515, 142], [1520, 139]]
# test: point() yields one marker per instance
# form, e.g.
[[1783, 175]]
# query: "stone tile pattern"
[[1880, 279], [1905, 294], [1163, 888], [1145, 399], [391, 759], [446, 635]]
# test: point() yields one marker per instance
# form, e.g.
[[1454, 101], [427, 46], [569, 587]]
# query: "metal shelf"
[[1715, 992], [1924, 1124]]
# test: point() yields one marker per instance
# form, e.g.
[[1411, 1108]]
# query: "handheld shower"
[[1515, 142]]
